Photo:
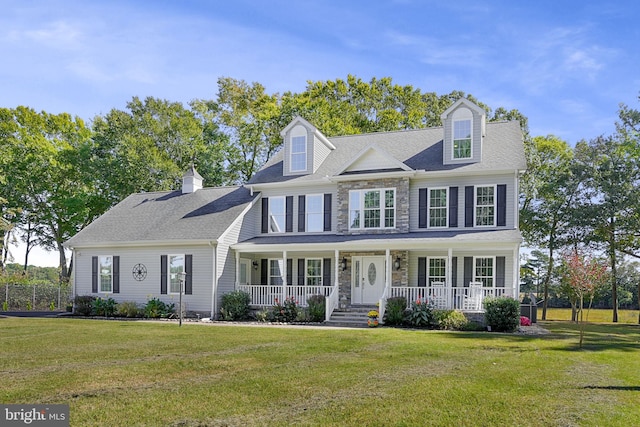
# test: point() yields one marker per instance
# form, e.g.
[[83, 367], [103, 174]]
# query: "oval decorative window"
[[372, 274]]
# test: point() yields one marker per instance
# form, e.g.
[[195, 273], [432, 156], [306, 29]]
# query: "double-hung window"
[[106, 273], [176, 267], [314, 272], [372, 208], [275, 272], [485, 206], [438, 207], [484, 271], [298, 154], [315, 212], [277, 215], [462, 139], [437, 270]]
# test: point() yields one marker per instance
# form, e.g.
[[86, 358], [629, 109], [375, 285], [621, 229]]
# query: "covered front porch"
[[364, 272]]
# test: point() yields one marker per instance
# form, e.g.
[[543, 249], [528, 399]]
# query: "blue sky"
[[566, 65]]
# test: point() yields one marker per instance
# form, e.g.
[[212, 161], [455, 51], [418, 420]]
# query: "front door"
[[368, 279]]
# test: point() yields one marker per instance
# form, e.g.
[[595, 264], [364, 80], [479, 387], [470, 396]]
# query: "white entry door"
[[368, 279]]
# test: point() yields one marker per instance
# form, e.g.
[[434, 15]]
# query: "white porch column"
[[389, 267], [449, 278], [284, 275], [237, 281], [516, 272]]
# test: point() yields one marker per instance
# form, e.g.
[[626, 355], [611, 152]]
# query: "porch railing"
[[331, 303], [461, 298], [266, 295]]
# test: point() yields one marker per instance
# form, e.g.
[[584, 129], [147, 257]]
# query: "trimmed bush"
[[235, 306], [316, 308], [502, 314], [104, 307], [83, 304], [128, 309], [452, 320], [394, 311]]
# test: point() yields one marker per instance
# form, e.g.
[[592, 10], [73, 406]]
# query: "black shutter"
[[326, 272], [327, 212], [301, 271], [264, 271], [301, 212], [289, 272], [94, 274], [468, 206], [500, 262], [502, 205], [453, 207], [454, 271], [422, 208], [188, 280], [422, 271], [289, 217], [468, 270], [163, 274], [116, 274], [265, 215]]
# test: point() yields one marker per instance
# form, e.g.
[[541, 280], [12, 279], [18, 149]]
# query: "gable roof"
[[166, 217], [467, 104], [372, 158], [419, 149]]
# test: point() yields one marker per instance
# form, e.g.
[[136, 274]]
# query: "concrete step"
[[354, 316]]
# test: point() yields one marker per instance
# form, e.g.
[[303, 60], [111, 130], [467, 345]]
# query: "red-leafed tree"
[[584, 275]]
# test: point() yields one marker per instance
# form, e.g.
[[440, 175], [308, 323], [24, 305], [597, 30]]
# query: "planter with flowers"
[[372, 320]]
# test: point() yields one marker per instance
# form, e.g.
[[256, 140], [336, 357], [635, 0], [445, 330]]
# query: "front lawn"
[[119, 373]]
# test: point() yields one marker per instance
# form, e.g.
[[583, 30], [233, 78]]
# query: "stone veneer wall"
[[399, 277], [402, 204]]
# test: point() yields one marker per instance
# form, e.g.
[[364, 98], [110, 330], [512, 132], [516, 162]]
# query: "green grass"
[[595, 315], [156, 374]]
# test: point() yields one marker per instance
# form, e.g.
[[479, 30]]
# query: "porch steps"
[[352, 316]]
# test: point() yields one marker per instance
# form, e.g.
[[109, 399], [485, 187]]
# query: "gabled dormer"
[[464, 130], [305, 148]]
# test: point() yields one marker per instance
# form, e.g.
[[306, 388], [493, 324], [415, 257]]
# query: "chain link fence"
[[36, 297]]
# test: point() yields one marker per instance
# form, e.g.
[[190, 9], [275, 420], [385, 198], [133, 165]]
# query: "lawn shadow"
[[612, 387]]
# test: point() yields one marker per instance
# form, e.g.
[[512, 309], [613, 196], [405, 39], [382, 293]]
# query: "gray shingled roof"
[[166, 216], [420, 149]]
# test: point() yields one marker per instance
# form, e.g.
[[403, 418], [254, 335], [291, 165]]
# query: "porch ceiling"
[[502, 239]]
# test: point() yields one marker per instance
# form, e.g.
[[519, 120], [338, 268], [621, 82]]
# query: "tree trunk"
[[614, 280], [64, 273], [547, 279]]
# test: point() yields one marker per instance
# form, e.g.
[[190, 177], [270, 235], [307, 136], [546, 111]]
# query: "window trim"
[[494, 205], [271, 216], [169, 257], [429, 276], [382, 208], [453, 138], [306, 271], [445, 207], [100, 259], [298, 153], [320, 214], [493, 270]]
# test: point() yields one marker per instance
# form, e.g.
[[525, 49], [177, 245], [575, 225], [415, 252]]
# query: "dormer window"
[[462, 134], [298, 153]]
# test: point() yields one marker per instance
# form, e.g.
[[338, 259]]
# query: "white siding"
[[142, 291], [461, 183]]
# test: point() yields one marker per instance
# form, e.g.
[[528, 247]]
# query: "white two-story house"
[[426, 214]]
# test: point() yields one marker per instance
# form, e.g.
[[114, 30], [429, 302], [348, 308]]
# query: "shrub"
[[104, 307], [129, 309], [450, 320], [264, 315], [156, 308], [286, 312], [316, 308], [394, 311], [502, 314], [235, 306], [420, 314], [84, 304]]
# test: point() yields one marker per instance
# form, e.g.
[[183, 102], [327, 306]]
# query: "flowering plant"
[[524, 321], [373, 314]]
